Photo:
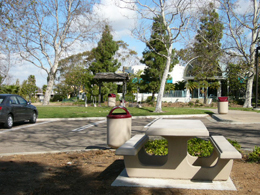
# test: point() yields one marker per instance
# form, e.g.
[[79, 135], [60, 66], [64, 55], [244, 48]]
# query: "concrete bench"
[[133, 145], [224, 148], [140, 164]]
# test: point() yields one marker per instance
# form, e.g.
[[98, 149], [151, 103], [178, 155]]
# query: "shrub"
[[199, 147], [255, 155], [157, 147], [129, 97], [57, 97], [235, 144], [149, 99], [190, 104], [196, 147]]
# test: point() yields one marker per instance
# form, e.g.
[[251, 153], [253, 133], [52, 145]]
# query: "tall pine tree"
[[208, 49], [103, 54], [153, 58]]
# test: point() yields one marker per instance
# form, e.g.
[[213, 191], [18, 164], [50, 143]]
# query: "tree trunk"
[[205, 95], [158, 107], [249, 88], [153, 96], [50, 84]]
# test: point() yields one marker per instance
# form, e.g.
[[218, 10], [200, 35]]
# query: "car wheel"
[[33, 118], [9, 121]]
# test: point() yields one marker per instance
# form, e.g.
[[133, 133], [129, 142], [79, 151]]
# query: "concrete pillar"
[[219, 89]]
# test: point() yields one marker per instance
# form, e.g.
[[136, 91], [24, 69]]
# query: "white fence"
[[178, 96]]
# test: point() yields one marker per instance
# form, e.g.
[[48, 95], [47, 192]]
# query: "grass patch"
[[75, 112], [243, 109]]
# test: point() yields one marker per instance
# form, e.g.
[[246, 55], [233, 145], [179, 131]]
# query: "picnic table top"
[[173, 127]]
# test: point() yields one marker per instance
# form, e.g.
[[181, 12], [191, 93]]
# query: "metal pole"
[[256, 86]]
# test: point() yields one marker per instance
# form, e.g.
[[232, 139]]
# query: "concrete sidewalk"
[[232, 117], [236, 117]]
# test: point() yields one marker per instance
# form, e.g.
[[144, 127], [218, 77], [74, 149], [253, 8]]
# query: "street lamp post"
[[256, 88]]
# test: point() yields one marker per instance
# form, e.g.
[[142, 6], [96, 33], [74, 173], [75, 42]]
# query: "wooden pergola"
[[111, 77]]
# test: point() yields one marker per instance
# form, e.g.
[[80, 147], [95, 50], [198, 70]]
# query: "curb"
[[134, 117], [219, 119]]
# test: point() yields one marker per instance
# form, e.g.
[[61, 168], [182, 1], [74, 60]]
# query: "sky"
[[120, 24], [121, 21]]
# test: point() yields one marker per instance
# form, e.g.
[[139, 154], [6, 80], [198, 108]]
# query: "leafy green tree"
[[29, 87], [154, 58], [180, 85], [103, 54], [207, 48], [191, 86], [44, 88], [77, 79], [70, 62], [237, 79], [62, 89], [10, 89]]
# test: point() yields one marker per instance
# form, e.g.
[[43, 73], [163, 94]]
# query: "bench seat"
[[224, 148], [133, 145]]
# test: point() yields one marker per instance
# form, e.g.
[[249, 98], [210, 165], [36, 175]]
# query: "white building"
[[179, 73], [176, 75]]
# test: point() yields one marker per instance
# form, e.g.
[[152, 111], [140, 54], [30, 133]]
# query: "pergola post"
[[219, 89], [123, 93], [111, 77], [99, 94]]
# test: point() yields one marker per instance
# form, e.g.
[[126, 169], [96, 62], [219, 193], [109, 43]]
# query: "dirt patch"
[[92, 172]]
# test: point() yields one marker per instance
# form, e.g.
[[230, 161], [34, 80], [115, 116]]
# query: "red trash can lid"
[[119, 115], [111, 95], [222, 99]]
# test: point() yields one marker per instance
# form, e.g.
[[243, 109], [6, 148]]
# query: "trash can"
[[118, 127], [222, 105], [122, 102], [111, 100]]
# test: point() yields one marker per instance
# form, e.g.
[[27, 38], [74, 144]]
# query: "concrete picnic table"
[[178, 164]]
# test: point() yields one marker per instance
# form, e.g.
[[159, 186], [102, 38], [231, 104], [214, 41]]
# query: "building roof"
[[111, 77]]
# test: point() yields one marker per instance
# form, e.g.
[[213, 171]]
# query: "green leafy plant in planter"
[[199, 147], [235, 144], [157, 147], [196, 147]]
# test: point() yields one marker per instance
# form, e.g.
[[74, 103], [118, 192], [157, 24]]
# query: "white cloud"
[[23, 70], [121, 20]]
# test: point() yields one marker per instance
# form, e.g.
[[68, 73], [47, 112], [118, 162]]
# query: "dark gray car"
[[14, 108]]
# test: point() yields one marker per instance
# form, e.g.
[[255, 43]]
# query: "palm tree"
[[190, 85]]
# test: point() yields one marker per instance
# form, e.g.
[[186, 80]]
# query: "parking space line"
[[149, 124], [22, 127], [87, 126]]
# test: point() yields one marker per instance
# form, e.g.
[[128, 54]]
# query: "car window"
[[1, 100], [13, 100], [21, 100]]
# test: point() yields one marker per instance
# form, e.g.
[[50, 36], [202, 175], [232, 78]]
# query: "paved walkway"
[[237, 117], [87, 133]]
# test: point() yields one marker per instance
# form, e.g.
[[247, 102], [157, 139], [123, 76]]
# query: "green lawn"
[[244, 109], [74, 112]]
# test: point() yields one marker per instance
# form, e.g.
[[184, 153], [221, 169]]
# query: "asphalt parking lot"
[[67, 135]]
